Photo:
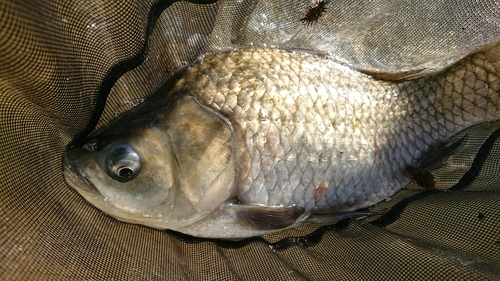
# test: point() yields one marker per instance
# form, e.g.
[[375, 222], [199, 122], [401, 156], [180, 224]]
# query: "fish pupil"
[[125, 172]]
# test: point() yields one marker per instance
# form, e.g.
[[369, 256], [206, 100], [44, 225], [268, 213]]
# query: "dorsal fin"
[[400, 76]]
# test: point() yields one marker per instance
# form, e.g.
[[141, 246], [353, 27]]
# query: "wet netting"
[[69, 67]]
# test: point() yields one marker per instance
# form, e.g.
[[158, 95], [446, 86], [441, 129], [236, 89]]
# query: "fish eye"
[[123, 163]]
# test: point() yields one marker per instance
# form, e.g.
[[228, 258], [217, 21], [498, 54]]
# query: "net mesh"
[[63, 63]]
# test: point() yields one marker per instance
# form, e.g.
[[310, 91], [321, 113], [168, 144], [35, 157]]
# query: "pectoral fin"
[[272, 218], [266, 218]]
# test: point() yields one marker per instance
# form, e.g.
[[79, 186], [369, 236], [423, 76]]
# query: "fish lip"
[[75, 177]]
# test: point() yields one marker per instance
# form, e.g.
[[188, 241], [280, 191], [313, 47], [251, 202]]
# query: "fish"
[[251, 141]]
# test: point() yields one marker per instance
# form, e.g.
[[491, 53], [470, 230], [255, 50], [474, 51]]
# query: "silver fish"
[[252, 141]]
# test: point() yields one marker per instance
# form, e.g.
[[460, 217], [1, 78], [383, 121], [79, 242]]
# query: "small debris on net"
[[315, 10]]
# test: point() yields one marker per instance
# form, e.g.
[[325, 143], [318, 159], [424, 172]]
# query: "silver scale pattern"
[[327, 137]]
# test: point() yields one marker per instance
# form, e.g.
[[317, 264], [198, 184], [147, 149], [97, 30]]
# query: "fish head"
[[109, 173], [166, 171]]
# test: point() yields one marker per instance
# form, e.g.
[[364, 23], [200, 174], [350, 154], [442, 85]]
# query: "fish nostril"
[[91, 145]]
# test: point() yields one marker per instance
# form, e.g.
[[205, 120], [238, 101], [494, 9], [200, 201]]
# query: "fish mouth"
[[75, 177]]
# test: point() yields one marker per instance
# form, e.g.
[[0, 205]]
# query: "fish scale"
[[411, 116]]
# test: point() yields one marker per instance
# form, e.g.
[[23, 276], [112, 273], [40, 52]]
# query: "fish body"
[[257, 140]]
